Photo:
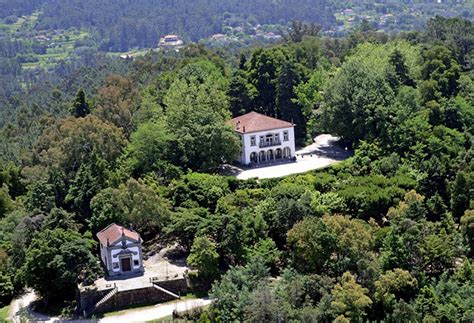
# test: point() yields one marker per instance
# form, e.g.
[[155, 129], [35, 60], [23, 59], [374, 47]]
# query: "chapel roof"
[[254, 122], [114, 232]]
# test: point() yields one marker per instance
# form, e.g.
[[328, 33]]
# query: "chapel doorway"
[[126, 264]]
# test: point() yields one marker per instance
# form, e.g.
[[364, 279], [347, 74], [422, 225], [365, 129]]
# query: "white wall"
[[103, 254], [247, 149]]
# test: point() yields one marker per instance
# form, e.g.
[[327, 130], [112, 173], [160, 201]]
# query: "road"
[[156, 312], [323, 152], [19, 303], [135, 315]]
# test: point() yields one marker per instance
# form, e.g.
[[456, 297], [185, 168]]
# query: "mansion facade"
[[263, 138]]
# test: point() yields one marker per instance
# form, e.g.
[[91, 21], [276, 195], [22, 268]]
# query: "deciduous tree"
[[349, 298]]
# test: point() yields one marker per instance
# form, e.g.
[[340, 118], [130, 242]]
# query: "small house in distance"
[[171, 41], [120, 250], [263, 138]]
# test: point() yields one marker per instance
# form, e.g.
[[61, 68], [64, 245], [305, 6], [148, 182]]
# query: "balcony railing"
[[270, 143]]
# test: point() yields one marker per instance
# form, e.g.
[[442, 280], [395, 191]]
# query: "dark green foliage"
[[262, 70], [151, 149], [80, 107], [460, 194], [299, 30], [380, 236], [311, 243], [132, 204], [10, 175], [286, 82], [40, 197], [357, 103], [196, 110], [5, 202], [449, 298], [233, 291], [441, 69], [367, 197], [204, 258], [198, 190], [89, 180], [186, 223], [240, 94], [401, 74], [467, 228], [455, 33], [138, 28], [68, 257]]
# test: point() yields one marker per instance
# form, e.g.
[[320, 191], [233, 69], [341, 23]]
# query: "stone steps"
[[166, 291]]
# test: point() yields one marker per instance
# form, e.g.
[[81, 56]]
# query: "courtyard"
[[323, 152], [157, 268]]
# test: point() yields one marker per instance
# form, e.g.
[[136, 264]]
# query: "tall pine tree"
[[80, 106], [287, 80]]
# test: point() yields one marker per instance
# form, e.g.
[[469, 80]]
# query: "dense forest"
[[386, 235], [47, 41]]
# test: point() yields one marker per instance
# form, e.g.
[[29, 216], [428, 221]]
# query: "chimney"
[[237, 126], [243, 129]]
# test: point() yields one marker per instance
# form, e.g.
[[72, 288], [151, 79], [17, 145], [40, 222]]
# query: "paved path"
[[22, 302], [135, 315], [323, 152], [156, 312]]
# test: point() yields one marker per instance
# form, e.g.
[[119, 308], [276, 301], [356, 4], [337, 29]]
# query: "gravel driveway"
[[157, 312]]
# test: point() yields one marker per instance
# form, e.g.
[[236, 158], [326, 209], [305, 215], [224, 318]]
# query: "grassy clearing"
[[4, 313], [62, 46], [23, 23]]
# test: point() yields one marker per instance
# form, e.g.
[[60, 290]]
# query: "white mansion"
[[263, 138]]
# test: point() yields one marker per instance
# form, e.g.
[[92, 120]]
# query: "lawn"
[[4, 313]]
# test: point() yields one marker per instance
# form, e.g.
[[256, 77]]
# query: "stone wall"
[[87, 298], [125, 299]]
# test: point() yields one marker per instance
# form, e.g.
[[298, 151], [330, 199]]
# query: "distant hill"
[[122, 24]]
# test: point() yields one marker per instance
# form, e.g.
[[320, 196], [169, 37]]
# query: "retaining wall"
[[126, 299]]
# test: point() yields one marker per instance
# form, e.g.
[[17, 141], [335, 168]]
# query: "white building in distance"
[[263, 138], [120, 250], [171, 41]]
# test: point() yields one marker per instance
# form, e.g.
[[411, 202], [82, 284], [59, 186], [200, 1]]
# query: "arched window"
[[253, 157], [261, 156], [270, 155], [278, 153]]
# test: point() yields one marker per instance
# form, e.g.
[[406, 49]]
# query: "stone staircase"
[[107, 297], [119, 296], [166, 291], [104, 299]]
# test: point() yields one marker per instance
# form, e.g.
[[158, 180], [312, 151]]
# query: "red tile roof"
[[114, 232], [254, 122]]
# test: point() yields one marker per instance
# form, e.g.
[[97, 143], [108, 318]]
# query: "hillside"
[[90, 137]]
